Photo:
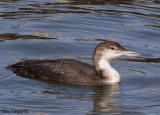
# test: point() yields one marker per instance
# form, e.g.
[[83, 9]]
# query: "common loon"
[[76, 72]]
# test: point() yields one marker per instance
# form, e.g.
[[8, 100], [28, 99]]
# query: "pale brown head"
[[109, 50]]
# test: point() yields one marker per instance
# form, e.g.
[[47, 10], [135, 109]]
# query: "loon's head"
[[103, 54], [110, 50]]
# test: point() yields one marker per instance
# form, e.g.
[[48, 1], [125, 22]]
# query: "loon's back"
[[62, 70]]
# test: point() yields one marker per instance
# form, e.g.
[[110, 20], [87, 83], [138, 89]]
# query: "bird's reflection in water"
[[103, 99], [102, 96]]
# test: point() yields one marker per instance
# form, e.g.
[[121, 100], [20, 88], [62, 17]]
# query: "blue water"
[[72, 29]]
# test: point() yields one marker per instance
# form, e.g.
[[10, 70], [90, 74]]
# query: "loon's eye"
[[112, 48]]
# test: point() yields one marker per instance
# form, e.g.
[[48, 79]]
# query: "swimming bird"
[[76, 72]]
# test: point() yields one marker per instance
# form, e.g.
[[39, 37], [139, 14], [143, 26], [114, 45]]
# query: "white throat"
[[111, 75]]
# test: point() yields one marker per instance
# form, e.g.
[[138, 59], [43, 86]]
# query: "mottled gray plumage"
[[76, 72], [61, 70]]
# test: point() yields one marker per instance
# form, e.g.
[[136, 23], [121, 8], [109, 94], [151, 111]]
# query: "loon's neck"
[[104, 69]]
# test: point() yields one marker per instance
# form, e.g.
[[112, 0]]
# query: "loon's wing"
[[63, 70]]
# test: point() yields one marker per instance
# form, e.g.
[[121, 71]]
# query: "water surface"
[[72, 29]]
